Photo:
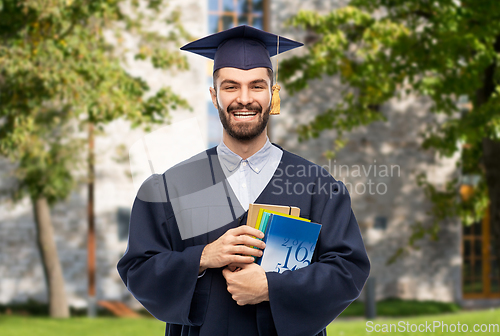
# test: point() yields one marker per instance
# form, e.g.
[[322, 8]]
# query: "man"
[[189, 260]]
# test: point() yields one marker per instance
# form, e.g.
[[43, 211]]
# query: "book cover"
[[253, 211], [286, 215], [265, 220], [258, 221], [262, 220], [290, 243]]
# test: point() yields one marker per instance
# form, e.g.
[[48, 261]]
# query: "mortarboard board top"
[[242, 47]]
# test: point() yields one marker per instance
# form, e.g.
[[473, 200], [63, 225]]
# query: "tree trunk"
[[491, 159], [50, 259]]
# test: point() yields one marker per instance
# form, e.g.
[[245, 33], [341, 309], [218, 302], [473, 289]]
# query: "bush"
[[399, 307], [36, 308], [28, 308]]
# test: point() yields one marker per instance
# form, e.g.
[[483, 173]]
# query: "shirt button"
[[257, 169], [244, 185], [244, 164]]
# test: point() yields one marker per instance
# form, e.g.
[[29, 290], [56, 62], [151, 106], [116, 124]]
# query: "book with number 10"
[[290, 241]]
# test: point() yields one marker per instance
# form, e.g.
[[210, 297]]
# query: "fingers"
[[247, 247], [245, 229], [248, 285], [236, 259], [234, 246], [246, 240], [239, 259], [238, 265], [226, 272], [235, 238], [229, 270], [239, 249]]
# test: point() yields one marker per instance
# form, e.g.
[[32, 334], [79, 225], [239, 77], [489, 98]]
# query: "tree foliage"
[[447, 50], [62, 64], [62, 67]]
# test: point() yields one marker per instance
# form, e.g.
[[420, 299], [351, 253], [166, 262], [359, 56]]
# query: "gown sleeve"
[[304, 301], [158, 270]]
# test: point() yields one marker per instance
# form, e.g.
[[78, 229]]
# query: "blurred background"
[[397, 99]]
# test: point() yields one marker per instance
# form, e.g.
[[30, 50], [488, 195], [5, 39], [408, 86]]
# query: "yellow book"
[[259, 218], [264, 223], [285, 215], [254, 210]]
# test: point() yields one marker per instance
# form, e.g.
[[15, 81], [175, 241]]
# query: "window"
[[225, 14], [380, 223], [480, 273]]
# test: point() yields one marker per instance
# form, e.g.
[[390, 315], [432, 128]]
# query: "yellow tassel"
[[275, 102]]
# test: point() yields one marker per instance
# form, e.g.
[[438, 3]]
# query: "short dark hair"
[[216, 75]]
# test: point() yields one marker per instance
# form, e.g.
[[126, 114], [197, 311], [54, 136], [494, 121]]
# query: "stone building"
[[379, 165]]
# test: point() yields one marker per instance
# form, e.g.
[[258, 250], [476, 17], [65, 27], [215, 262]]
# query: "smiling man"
[[189, 260]]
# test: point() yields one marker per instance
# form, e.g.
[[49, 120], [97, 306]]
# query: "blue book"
[[290, 243]]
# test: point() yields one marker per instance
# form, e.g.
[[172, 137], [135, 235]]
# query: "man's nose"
[[245, 97]]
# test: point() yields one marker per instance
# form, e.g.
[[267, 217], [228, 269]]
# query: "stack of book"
[[290, 240]]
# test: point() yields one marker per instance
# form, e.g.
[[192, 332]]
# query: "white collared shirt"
[[249, 177]]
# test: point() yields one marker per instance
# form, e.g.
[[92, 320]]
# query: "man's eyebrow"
[[228, 81], [259, 81]]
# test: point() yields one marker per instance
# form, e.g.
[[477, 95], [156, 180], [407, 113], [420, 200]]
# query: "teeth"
[[245, 114]]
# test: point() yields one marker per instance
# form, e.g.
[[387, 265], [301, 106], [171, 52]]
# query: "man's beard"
[[243, 131]]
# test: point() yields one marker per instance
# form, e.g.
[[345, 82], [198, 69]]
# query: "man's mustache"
[[249, 107]]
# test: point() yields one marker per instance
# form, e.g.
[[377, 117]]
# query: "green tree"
[[447, 50], [61, 69]]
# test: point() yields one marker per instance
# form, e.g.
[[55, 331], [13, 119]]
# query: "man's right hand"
[[233, 247]]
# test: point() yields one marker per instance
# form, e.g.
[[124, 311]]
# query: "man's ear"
[[213, 94]]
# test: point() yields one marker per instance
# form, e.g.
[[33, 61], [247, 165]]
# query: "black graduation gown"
[[161, 270]]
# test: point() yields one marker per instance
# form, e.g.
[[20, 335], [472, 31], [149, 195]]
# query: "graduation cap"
[[245, 48]]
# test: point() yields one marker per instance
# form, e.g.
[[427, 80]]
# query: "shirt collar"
[[256, 162]]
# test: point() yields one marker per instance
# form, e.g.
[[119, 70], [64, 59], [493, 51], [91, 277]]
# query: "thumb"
[[226, 272]]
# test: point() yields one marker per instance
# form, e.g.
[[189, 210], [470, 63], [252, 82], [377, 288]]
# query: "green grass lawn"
[[79, 326], [348, 327], [104, 326]]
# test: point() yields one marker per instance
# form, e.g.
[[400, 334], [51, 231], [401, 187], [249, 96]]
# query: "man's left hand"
[[247, 284]]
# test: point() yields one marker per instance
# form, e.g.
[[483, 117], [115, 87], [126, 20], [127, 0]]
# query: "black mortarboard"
[[245, 48], [242, 47]]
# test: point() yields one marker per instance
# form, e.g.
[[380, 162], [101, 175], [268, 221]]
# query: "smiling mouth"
[[244, 115]]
